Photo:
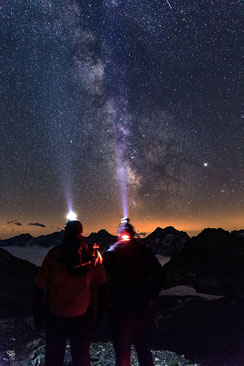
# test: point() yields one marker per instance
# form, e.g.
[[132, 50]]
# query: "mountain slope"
[[27, 240], [166, 241], [17, 278], [103, 238], [212, 262]]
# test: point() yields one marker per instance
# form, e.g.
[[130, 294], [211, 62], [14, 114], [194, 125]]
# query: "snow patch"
[[187, 291]]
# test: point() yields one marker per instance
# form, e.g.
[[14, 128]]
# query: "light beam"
[[118, 118]]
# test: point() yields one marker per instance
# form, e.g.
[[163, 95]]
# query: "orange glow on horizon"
[[192, 225]]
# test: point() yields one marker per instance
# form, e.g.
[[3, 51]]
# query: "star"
[[103, 99]]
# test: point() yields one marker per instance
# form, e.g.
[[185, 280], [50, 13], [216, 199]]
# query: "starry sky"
[[113, 103]]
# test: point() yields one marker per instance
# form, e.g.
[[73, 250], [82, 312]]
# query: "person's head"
[[73, 238], [73, 243], [125, 230], [73, 228]]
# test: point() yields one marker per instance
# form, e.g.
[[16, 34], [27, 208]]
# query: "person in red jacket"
[[134, 277], [67, 288]]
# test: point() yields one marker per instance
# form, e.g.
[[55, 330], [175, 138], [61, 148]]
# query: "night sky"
[[108, 96]]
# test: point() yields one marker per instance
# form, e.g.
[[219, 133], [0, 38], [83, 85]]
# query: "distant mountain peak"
[[213, 232], [100, 233], [20, 240], [167, 230], [158, 230], [239, 233], [211, 262], [20, 237], [166, 241], [103, 238], [103, 232], [171, 228]]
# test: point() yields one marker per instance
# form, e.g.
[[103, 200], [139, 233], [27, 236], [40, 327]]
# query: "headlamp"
[[71, 216], [125, 220], [125, 237]]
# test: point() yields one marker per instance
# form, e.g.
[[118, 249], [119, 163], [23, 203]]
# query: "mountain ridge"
[[166, 241], [211, 262], [163, 241]]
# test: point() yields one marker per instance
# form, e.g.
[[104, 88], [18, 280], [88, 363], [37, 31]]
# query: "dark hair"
[[74, 227], [72, 244], [126, 228]]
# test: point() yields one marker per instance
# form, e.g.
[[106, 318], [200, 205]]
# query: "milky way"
[[155, 86]]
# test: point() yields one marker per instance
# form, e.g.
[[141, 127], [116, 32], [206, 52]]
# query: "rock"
[[30, 348], [211, 332]]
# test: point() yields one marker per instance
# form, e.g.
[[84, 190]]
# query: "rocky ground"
[[21, 345], [207, 332]]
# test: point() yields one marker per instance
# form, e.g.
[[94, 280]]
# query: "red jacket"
[[67, 294]]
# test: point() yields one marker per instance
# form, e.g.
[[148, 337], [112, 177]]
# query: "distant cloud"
[[141, 234], [14, 222], [36, 224]]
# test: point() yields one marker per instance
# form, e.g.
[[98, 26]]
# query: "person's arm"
[[98, 289], [40, 292]]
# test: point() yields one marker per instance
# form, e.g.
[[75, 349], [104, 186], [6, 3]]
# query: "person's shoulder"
[[144, 249], [54, 253], [137, 244], [110, 253], [124, 244], [113, 247]]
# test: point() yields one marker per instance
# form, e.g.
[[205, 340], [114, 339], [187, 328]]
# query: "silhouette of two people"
[[67, 295]]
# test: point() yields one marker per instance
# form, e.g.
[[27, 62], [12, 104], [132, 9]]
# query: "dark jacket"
[[134, 275]]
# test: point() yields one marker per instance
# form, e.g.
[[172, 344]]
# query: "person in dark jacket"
[[66, 295], [134, 277]]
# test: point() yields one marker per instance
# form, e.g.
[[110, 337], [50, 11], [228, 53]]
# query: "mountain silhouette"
[[238, 233], [103, 238], [166, 241], [27, 240], [212, 262], [16, 285], [21, 240]]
